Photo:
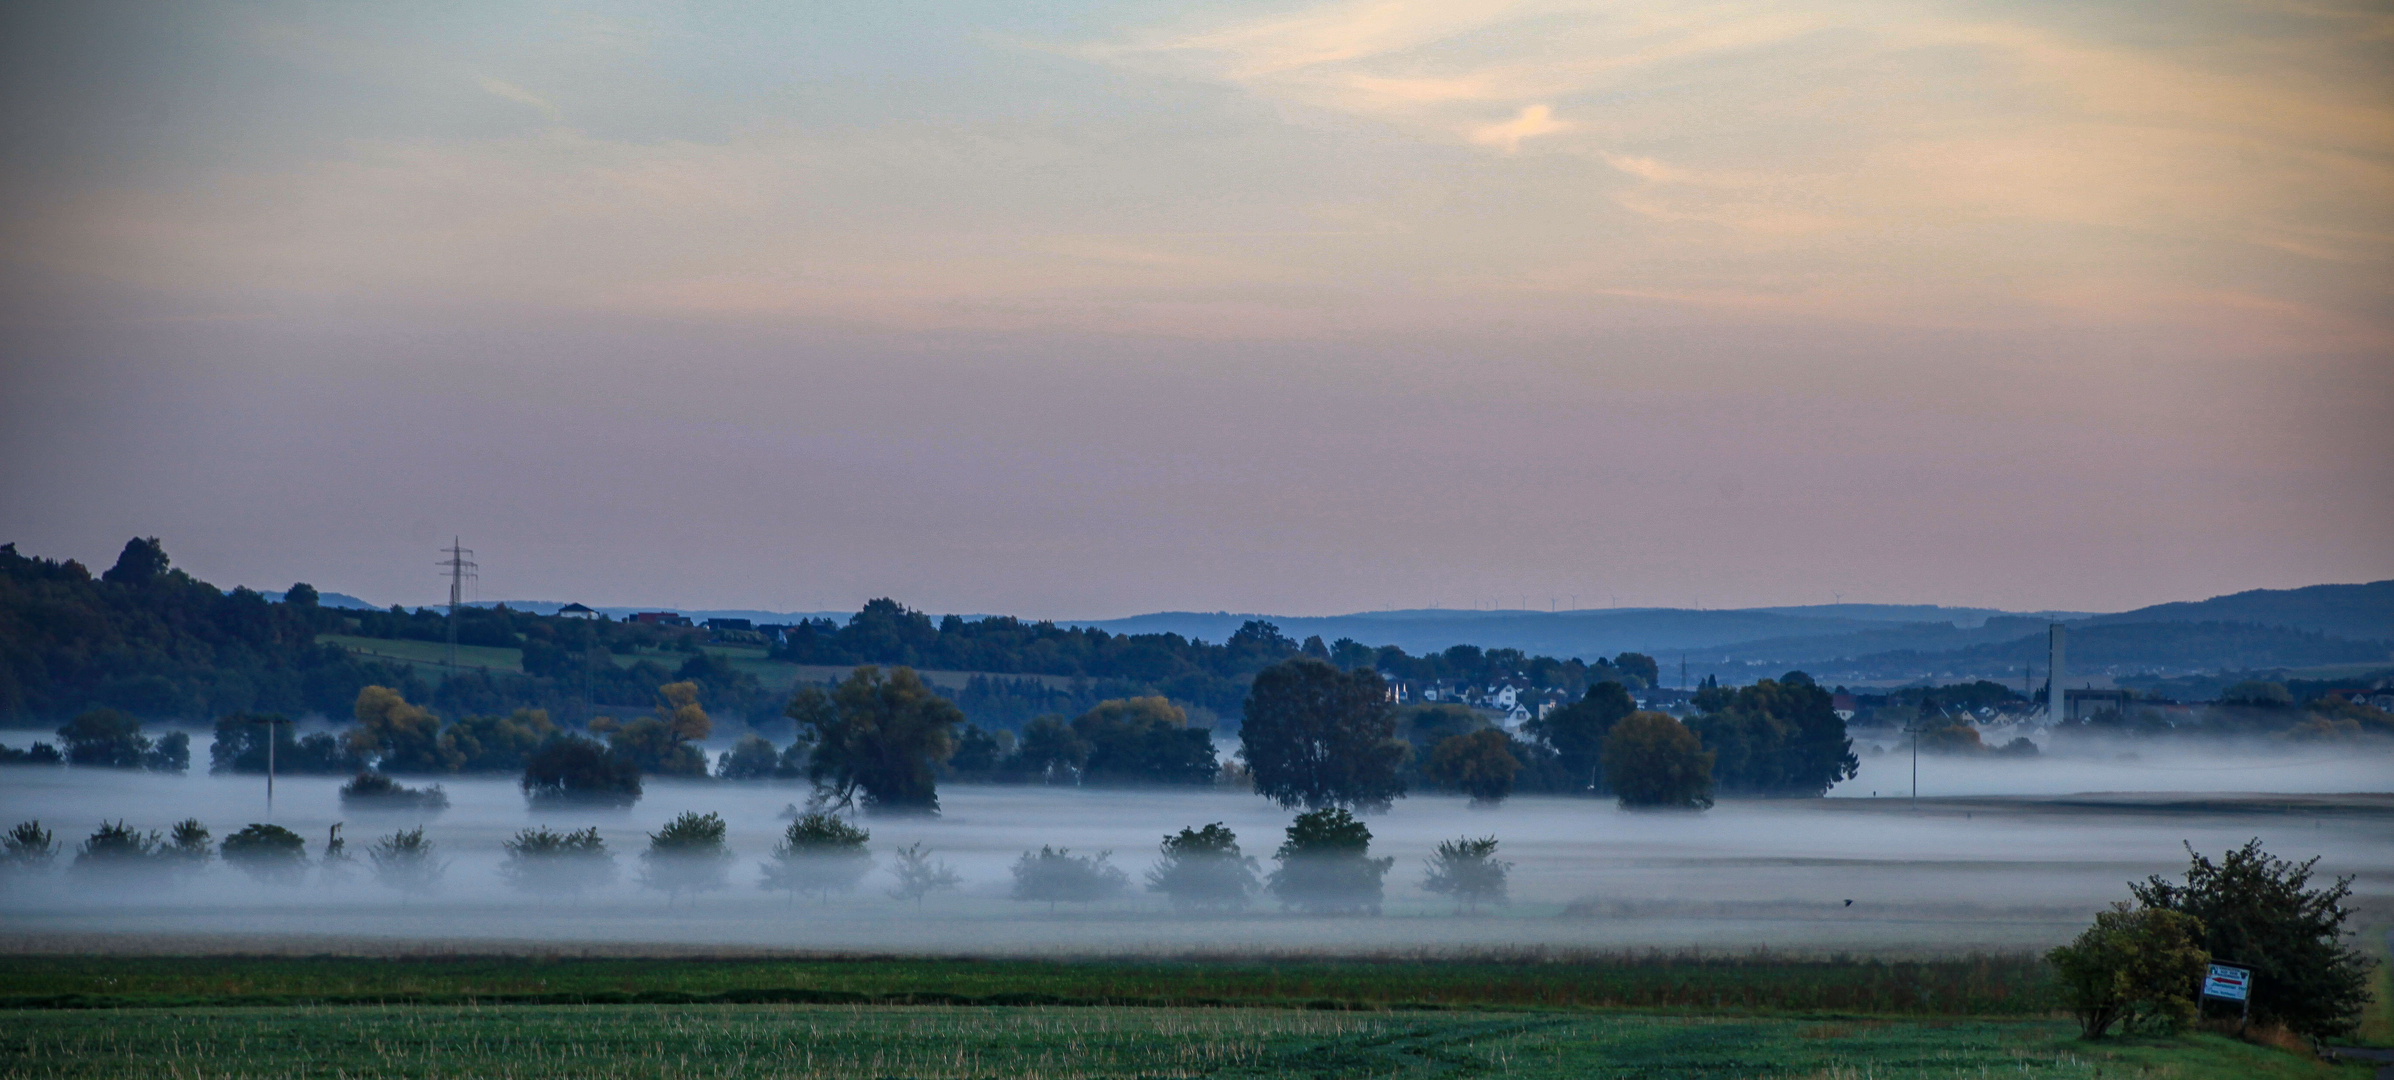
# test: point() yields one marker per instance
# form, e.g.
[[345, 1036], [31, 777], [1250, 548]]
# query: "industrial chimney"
[[2055, 636]]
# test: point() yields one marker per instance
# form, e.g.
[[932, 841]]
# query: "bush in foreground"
[[2134, 967], [818, 854], [1202, 869], [2259, 911]]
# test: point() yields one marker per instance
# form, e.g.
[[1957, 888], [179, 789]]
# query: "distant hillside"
[[2111, 648], [329, 599], [2351, 611]]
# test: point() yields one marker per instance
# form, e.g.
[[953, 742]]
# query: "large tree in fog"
[[882, 740], [1777, 737], [1577, 731], [1315, 736]]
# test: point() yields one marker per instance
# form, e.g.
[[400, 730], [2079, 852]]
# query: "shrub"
[[548, 863], [2131, 967], [1202, 869], [686, 856], [1479, 765], [1326, 867], [407, 862], [1056, 875], [266, 852], [187, 845], [1467, 870], [920, 875], [818, 854], [373, 792], [115, 847], [1653, 761], [28, 846], [570, 770], [752, 758], [2259, 911]]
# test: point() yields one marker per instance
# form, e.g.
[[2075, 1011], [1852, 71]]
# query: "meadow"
[[1062, 1043]]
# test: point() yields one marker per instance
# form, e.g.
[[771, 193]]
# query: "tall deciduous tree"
[[1315, 736], [1652, 760], [1778, 737], [1144, 740], [883, 741], [402, 738], [1479, 765]]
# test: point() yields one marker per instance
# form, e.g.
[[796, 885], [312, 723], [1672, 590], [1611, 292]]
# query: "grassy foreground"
[[1973, 986], [532, 1041]]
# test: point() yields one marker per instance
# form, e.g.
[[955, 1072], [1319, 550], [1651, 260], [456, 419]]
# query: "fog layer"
[[1952, 875]]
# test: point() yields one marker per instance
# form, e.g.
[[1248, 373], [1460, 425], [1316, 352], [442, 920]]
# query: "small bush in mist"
[[1468, 871], [687, 856], [27, 847], [1203, 869], [406, 861], [549, 863], [752, 758], [1056, 875], [373, 792], [818, 854], [570, 770], [919, 875], [1654, 761], [2134, 967], [187, 845], [114, 846], [2259, 911], [40, 753], [266, 852], [1326, 865], [1479, 765]]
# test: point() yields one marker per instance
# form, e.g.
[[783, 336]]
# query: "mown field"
[[1059, 1043], [1984, 986]]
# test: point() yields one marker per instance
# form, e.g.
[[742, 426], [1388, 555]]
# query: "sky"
[[1087, 309]]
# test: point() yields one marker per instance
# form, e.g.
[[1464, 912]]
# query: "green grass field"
[[1059, 1043], [2016, 985]]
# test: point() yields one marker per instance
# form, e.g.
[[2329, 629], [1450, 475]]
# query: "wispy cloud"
[[519, 95]]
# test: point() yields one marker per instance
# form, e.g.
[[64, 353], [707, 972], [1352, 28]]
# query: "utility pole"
[[460, 565], [270, 723]]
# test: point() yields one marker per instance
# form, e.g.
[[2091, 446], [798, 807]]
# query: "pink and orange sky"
[[1102, 308]]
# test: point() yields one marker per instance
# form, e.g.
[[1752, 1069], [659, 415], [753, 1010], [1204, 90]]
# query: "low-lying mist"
[[1949, 876]]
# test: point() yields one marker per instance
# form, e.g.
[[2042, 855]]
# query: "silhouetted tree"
[[1144, 740], [2132, 967], [687, 856], [752, 758], [1576, 731], [1315, 736], [406, 861], [884, 742], [1652, 760], [269, 853], [919, 875], [1479, 765]]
